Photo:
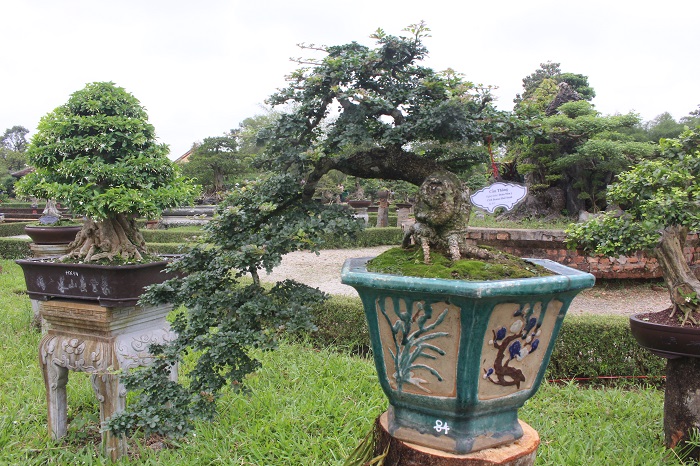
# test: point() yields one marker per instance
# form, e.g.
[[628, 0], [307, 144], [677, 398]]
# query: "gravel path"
[[323, 271]]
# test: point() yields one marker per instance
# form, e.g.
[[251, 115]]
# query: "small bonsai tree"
[[660, 199], [98, 155]]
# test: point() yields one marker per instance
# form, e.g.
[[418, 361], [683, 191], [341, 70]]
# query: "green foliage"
[[98, 155], [172, 235], [14, 248], [377, 113], [367, 238], [14, 139], [600, 346], [13, 229], [218, 162], [655, 194], [224, 320], [340, 323]]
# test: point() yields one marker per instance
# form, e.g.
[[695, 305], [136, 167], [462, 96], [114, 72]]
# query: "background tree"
[[98, 155], [15, 139], [573, 152], [213, 162], [13, 157], [660, 199]]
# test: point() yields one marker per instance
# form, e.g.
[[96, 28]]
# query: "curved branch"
[[392, 163]]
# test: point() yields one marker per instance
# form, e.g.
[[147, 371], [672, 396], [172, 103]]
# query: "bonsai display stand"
[[519, 453], [86, 337]]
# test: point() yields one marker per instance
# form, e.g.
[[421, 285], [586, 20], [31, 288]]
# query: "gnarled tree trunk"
[[682, 284], [108, 239]]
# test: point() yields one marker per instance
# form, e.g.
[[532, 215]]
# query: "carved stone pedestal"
[[87, 337], [518, 453]]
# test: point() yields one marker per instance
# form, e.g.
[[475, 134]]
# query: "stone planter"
[[108, 285], [456, 358], [51, 234]]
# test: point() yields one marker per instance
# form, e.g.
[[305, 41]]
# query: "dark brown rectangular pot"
[[109, 285]]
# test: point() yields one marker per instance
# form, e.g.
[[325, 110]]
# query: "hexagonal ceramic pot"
[[458, 358]]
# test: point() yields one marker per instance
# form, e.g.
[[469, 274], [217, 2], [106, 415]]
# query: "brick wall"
[[549, 244]]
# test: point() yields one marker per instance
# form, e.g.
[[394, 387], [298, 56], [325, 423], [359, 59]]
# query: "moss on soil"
[[398, 261]]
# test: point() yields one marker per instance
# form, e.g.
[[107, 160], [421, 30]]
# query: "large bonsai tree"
[[98, 155], [661, 203], [366, 112]]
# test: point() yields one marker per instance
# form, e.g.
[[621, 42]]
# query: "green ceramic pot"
[[457, 358]]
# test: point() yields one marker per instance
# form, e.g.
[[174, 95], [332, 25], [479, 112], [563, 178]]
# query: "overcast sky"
[[202, 67]]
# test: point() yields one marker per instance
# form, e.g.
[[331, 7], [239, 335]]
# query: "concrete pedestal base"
[[87, 337], [519, 453]]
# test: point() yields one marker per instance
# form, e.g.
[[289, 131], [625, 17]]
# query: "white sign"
[[505, 195]]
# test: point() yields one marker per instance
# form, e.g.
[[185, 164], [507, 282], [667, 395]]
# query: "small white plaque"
[[505, 195]]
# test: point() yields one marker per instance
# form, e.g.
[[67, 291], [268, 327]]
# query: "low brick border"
[[549, 244]]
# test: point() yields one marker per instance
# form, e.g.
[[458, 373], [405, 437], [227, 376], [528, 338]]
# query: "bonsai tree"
[[660, 199], [365, 112], [98, 155]]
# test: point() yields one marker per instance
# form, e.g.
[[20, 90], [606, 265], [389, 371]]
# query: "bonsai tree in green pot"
[[369, 113], [98, 155], [660, 201]]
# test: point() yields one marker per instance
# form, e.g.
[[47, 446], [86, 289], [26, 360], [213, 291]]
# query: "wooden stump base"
[[519, 453]]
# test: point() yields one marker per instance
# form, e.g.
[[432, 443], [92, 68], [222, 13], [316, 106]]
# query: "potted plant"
[[52, 228], [97, 154], [660, 201], [457, 358], [369, 113]]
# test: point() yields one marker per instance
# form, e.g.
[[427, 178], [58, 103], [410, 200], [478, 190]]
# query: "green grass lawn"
[[304, 407]]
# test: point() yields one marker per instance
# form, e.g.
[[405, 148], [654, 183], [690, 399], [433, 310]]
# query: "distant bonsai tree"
[[98, 155], [661, 203]]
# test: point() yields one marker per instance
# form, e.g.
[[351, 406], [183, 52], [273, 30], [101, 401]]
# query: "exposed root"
[[108, 239]]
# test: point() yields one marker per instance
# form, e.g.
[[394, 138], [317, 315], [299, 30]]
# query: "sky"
[[200, 68]]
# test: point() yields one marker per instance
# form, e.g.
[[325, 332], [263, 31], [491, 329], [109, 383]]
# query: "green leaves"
[[655, 194], [98, 155]]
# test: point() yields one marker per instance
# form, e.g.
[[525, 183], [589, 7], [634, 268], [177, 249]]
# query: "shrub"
[[170, 235], [14, 248], [600, 345], [368, 237], [13, 229]]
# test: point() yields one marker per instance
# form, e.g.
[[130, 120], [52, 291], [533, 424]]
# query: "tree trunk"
[[112, 238], [680, 280], [682, 402]]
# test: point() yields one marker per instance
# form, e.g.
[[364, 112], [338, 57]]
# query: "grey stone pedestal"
[[102, 341]]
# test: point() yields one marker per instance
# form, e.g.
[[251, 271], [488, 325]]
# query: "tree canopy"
[[378, 113], [660, 198], [98, 155]]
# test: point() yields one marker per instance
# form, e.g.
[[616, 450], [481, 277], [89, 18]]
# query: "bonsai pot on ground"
[[458, 358]]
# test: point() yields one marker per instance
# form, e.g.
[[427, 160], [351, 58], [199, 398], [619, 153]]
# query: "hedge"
[[588, 346], [368, 237], [184, 235], [14, 248], [13, 228]]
